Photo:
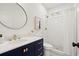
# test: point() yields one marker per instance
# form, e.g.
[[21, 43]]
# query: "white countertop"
[[7, 46]]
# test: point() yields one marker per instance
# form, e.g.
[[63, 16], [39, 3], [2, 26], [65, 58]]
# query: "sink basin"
[[1, 42], [21, 40], [18, 40]]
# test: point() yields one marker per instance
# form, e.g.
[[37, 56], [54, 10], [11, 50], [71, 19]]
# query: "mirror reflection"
[[12, 15]]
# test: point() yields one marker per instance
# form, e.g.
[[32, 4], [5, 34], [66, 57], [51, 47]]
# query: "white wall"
[[32, 9]]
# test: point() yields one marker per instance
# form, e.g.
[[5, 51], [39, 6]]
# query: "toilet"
[[50, 50], [47, 48]]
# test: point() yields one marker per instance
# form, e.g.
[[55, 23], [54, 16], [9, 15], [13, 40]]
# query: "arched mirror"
[[12, 15]]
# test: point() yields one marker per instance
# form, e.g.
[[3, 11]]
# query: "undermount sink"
[[14, 41], [20, 40], [3, 42]]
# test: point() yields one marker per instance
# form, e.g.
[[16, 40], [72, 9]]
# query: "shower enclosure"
[[62, 28]]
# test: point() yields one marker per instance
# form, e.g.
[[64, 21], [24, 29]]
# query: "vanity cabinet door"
[[28, 50], [39, 48]]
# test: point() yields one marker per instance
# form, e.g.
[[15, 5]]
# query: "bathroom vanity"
[[24, 47]]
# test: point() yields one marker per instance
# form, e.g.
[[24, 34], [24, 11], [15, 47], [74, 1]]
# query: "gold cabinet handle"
[[24, 50]]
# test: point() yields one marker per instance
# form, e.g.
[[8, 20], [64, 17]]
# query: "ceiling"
[[53, 5]]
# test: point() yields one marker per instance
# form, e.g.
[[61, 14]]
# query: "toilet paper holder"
[[75, 44]]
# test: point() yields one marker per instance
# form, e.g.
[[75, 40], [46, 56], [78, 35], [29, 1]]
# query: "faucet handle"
[[14, 36]]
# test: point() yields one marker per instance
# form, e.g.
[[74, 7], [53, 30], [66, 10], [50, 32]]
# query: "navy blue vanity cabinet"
[[32, 49]]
